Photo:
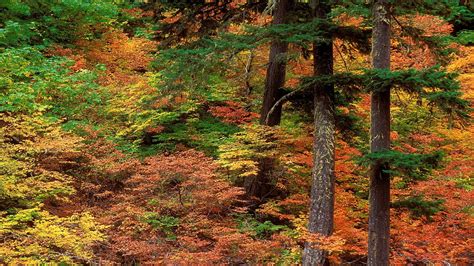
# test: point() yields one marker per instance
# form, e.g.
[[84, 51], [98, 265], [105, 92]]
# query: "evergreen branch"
[[411, 165], [439, 87]]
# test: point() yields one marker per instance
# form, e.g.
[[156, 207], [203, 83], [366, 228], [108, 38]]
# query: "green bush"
[[419, 206], [50, 21], [166, 224], [260, 230]]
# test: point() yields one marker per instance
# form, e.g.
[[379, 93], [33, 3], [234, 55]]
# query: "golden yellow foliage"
[[32, 154]]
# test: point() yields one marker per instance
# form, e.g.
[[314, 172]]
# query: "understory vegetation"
[[131, 133]]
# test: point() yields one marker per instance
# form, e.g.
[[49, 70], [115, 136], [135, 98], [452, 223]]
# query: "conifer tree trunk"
[[379, 191], [321, 213], [260, 186], [276, 70]]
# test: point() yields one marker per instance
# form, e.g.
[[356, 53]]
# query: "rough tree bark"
[[260, 186], [321, 213], [379, 191], [276, 70]]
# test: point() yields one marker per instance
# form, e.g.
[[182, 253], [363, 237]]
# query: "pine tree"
[[274, 82], [321, 215], [276, 69], [379, 192], [433, 84]]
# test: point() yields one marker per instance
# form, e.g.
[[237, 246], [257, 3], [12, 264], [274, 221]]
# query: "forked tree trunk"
[[276, 70], [379, 192], [321, 213]]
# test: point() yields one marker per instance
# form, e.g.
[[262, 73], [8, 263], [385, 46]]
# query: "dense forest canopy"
[[315, 132]]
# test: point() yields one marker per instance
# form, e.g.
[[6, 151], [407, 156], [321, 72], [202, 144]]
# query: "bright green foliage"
[[206, 134], [166, 224], [258, 229], [136, 115], [141, 108], [31, 82], [47, 21], [419, 206], [137, 123], [292, 123], [290, 257], [465, 183], [18, 93], [466, 37], [14, 33]]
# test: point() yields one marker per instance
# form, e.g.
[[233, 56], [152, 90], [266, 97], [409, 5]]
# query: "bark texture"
[[321, 215], [261, 186], [276, 70], [379, 191]]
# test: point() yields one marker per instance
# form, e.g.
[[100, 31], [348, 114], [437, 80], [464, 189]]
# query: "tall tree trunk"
[[276, 70], [379, 192], [321, 213], [260, 186]]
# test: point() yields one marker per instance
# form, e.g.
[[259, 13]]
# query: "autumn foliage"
[[101, 161]]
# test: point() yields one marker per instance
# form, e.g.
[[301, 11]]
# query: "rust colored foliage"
[[124, 57], [413, 52], [181, 208], [183, 186], [232, 112]]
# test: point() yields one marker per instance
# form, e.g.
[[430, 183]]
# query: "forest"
[[236, 132]]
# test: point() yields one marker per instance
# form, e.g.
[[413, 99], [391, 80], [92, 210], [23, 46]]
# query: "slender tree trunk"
[[379, 192], [248, 71], [276, 70], [321, 213]]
